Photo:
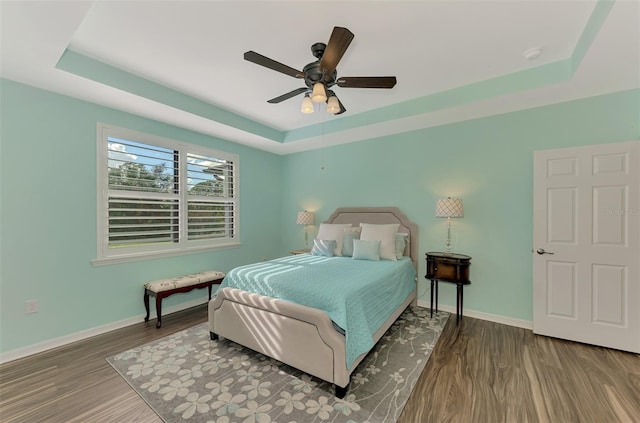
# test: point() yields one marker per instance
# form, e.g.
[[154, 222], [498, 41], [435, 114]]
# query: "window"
[[162, 197]]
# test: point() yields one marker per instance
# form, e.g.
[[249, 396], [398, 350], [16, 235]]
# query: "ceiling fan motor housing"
[[313, 74]]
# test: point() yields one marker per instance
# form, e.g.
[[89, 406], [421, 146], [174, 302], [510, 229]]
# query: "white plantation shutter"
[[143, 193], [137, 221], [210, 197], [161, 195]]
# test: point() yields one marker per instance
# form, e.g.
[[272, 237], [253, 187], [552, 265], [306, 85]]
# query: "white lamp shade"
[[307, 105], [304, 218], [318, 95], [449, 207], [333, 106]]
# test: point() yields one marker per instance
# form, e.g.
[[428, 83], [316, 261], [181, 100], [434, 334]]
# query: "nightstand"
[[452, 268], [296, 252]]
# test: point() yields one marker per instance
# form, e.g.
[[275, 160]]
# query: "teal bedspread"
[[358, 295]]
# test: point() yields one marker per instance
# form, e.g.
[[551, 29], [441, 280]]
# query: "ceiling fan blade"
[[288, 95], [261, 60], [338, 44], [342, 109], [330, 93], [366, 81]]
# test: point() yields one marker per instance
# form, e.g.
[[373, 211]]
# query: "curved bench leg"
[[159, 309], [146, 304]]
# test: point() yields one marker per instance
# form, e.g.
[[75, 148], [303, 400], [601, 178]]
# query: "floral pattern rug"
[[186, 377]]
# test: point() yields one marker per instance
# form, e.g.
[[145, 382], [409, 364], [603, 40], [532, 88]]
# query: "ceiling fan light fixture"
[[318, 95], [307, 105], [333, 106]]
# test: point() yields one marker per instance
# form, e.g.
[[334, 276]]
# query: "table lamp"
[[449, 207], [305, 218]]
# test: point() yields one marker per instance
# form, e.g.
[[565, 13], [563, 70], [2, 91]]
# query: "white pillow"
[[386, 234], [334, 231]]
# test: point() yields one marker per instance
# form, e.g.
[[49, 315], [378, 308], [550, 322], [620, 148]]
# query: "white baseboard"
[[88, 333], [510, 321]]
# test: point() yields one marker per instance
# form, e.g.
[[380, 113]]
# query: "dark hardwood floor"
[[478, 372], [481, 371]]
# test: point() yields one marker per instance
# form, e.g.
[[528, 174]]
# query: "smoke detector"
[[532, 53]]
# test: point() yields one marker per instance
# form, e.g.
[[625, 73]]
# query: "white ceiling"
[[432, 47]]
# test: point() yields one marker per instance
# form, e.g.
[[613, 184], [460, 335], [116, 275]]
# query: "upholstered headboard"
[[380, 215]]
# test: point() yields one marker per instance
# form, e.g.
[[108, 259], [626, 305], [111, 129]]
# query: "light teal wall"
[[487, 162], [48, 203], [48, 218]]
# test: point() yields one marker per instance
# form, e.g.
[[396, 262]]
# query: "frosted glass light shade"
[[307, 105], [318, 95], [449, 207], [332, 105], [304, 218]]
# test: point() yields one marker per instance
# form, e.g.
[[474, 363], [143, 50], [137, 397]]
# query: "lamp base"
[[447, 246]]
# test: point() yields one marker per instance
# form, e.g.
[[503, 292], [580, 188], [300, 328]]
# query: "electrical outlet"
[[31, 306]]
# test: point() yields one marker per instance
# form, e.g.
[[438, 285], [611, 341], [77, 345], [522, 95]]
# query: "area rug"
[[186, 377]]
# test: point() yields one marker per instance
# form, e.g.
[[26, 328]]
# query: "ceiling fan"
[[321, 75]]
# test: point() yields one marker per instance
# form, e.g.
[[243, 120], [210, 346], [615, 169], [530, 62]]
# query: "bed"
[[304, 336]]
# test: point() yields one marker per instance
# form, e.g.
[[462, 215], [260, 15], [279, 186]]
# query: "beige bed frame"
[[301, 336]]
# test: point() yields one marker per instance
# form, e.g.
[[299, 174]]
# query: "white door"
[[586, 234]]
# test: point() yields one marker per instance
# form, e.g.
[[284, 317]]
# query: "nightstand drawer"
[[454, 267]]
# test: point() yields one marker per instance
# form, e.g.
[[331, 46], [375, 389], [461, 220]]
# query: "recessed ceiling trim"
[[518, 81], [98, 71], [528, 79], [539, 76], [596, 20]]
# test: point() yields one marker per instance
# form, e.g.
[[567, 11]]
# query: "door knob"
[[542, 251]]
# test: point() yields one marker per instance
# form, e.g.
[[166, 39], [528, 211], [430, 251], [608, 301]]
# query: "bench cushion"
[[181, 281]]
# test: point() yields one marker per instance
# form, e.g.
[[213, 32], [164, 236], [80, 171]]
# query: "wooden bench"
[[163, 288]]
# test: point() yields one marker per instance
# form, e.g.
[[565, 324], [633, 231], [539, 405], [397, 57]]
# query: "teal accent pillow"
[[366, 250], [401, 242], [323, 247], [347, 245]]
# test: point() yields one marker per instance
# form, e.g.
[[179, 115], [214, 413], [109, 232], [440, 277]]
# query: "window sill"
[[105, 261]]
